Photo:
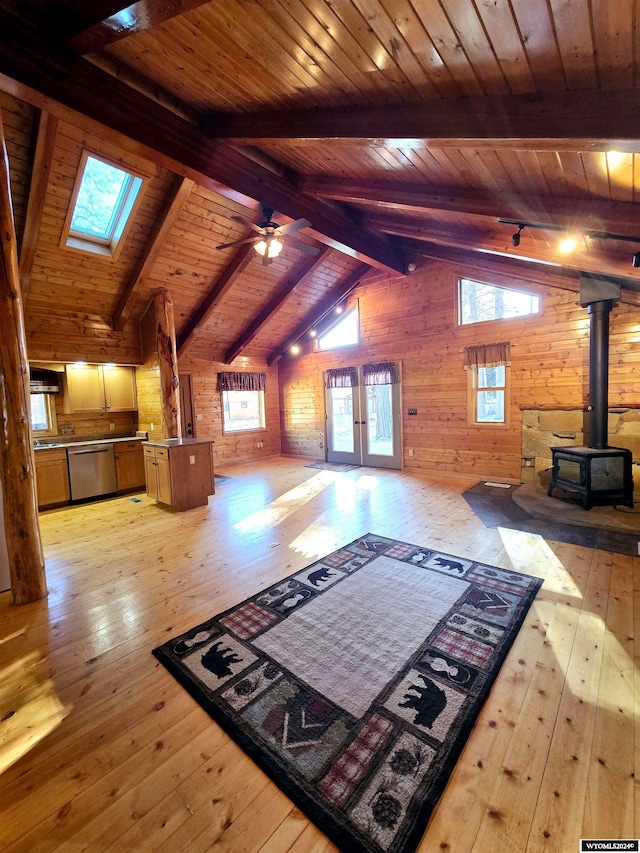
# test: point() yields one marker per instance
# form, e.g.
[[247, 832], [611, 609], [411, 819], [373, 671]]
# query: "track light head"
[[515, 239], [635, 261]]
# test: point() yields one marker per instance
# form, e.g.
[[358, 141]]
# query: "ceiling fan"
[[268, 241]]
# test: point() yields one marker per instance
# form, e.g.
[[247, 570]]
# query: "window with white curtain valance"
[[341, 377], [380, 373]]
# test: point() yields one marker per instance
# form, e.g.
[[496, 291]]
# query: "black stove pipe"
[[599, 374]]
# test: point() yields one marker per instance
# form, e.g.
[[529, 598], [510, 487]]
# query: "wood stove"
[[597, 476], [597, 473]]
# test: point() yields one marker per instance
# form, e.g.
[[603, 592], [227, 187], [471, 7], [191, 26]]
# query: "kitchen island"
[[179, 471]]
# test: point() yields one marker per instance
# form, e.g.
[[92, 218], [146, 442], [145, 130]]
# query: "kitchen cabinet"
[[179, 473], [52, 477], [130, 466], [100, 388]]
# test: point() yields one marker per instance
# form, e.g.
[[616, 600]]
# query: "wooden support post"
[[167, 364], [17, 462]]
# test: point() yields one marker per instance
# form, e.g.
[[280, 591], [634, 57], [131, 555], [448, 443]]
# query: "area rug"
[[355, 682]]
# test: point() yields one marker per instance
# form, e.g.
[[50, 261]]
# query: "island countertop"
[[177, 442]]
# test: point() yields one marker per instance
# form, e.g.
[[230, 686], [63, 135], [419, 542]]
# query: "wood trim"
[[308, 269], [335, 295], [43, 156], [236, 266], [165, 221], [17, 460]]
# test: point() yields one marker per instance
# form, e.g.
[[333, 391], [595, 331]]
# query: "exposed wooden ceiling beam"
[[308, 269], [334, 296], [527, 271], [34, 70], [165, 221], [594, 120], [88, 27], [237, 264], [578, 214], [43, 155], [489, 240]]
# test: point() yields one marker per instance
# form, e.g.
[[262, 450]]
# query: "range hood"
[[43, 381]]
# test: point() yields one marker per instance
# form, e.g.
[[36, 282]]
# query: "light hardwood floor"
[[132, 763]]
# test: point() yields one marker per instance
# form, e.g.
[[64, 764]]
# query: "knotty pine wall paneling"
[[412, 320], [207, 401]]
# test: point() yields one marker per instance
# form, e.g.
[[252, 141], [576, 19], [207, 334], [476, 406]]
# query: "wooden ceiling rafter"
[[488, 240], [167, 216], [36, 71], [301, 275], [571, 213], [335, 295], [89, 27], [589, 120], [242, 257], [42, 159]]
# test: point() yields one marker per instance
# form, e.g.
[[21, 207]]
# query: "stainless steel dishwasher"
[[92, 470]]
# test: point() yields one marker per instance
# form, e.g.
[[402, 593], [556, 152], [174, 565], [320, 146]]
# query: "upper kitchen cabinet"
[[100, 388]]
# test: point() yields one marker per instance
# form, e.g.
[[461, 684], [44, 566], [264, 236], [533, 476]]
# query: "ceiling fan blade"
[[249, 224], [239, 242], [294, 226], [303, 247]]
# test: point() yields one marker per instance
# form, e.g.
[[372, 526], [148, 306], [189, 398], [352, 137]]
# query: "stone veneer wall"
[[542, 429]]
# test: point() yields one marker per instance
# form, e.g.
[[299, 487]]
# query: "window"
[[489, 394], [242, 410], [479, 302], [43, 414], [488, 382], [344, 333], [102, 203]]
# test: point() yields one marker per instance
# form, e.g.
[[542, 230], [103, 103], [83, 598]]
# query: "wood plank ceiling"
[[401, 129]]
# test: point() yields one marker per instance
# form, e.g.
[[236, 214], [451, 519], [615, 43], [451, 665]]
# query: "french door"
[[364, 424]]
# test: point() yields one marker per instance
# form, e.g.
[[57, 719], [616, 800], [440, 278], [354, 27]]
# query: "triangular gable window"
[[344, 333], [103, 201]]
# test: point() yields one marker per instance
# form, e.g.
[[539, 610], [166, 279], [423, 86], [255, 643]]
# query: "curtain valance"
[[341, 377], [238, 381], [487, 355], [381, 373]]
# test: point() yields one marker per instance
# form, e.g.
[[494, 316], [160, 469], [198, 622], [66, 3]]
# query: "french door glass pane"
[[342, 419], [379, 420]]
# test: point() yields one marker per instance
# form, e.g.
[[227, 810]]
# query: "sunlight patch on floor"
[[29, 707], [286, 504]]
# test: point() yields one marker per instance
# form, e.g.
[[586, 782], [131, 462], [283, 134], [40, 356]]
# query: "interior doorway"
[[364, 424]]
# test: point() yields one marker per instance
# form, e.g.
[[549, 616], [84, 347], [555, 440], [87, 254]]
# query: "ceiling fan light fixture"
[[269, 246]]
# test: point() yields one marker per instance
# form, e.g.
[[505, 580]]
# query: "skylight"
[[105, 196]]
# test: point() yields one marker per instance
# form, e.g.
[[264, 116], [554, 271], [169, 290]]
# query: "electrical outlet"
[[411, 452], [112, 427], [198, 417], [412, 411], [192, 460]]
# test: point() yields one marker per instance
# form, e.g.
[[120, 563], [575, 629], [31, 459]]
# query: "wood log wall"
[[412, 320]]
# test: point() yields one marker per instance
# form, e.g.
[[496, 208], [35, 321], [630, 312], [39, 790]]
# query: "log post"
[[167, 364], [17, 461]]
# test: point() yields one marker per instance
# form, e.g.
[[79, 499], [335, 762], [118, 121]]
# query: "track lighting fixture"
[[515, 240], [592, 235]]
